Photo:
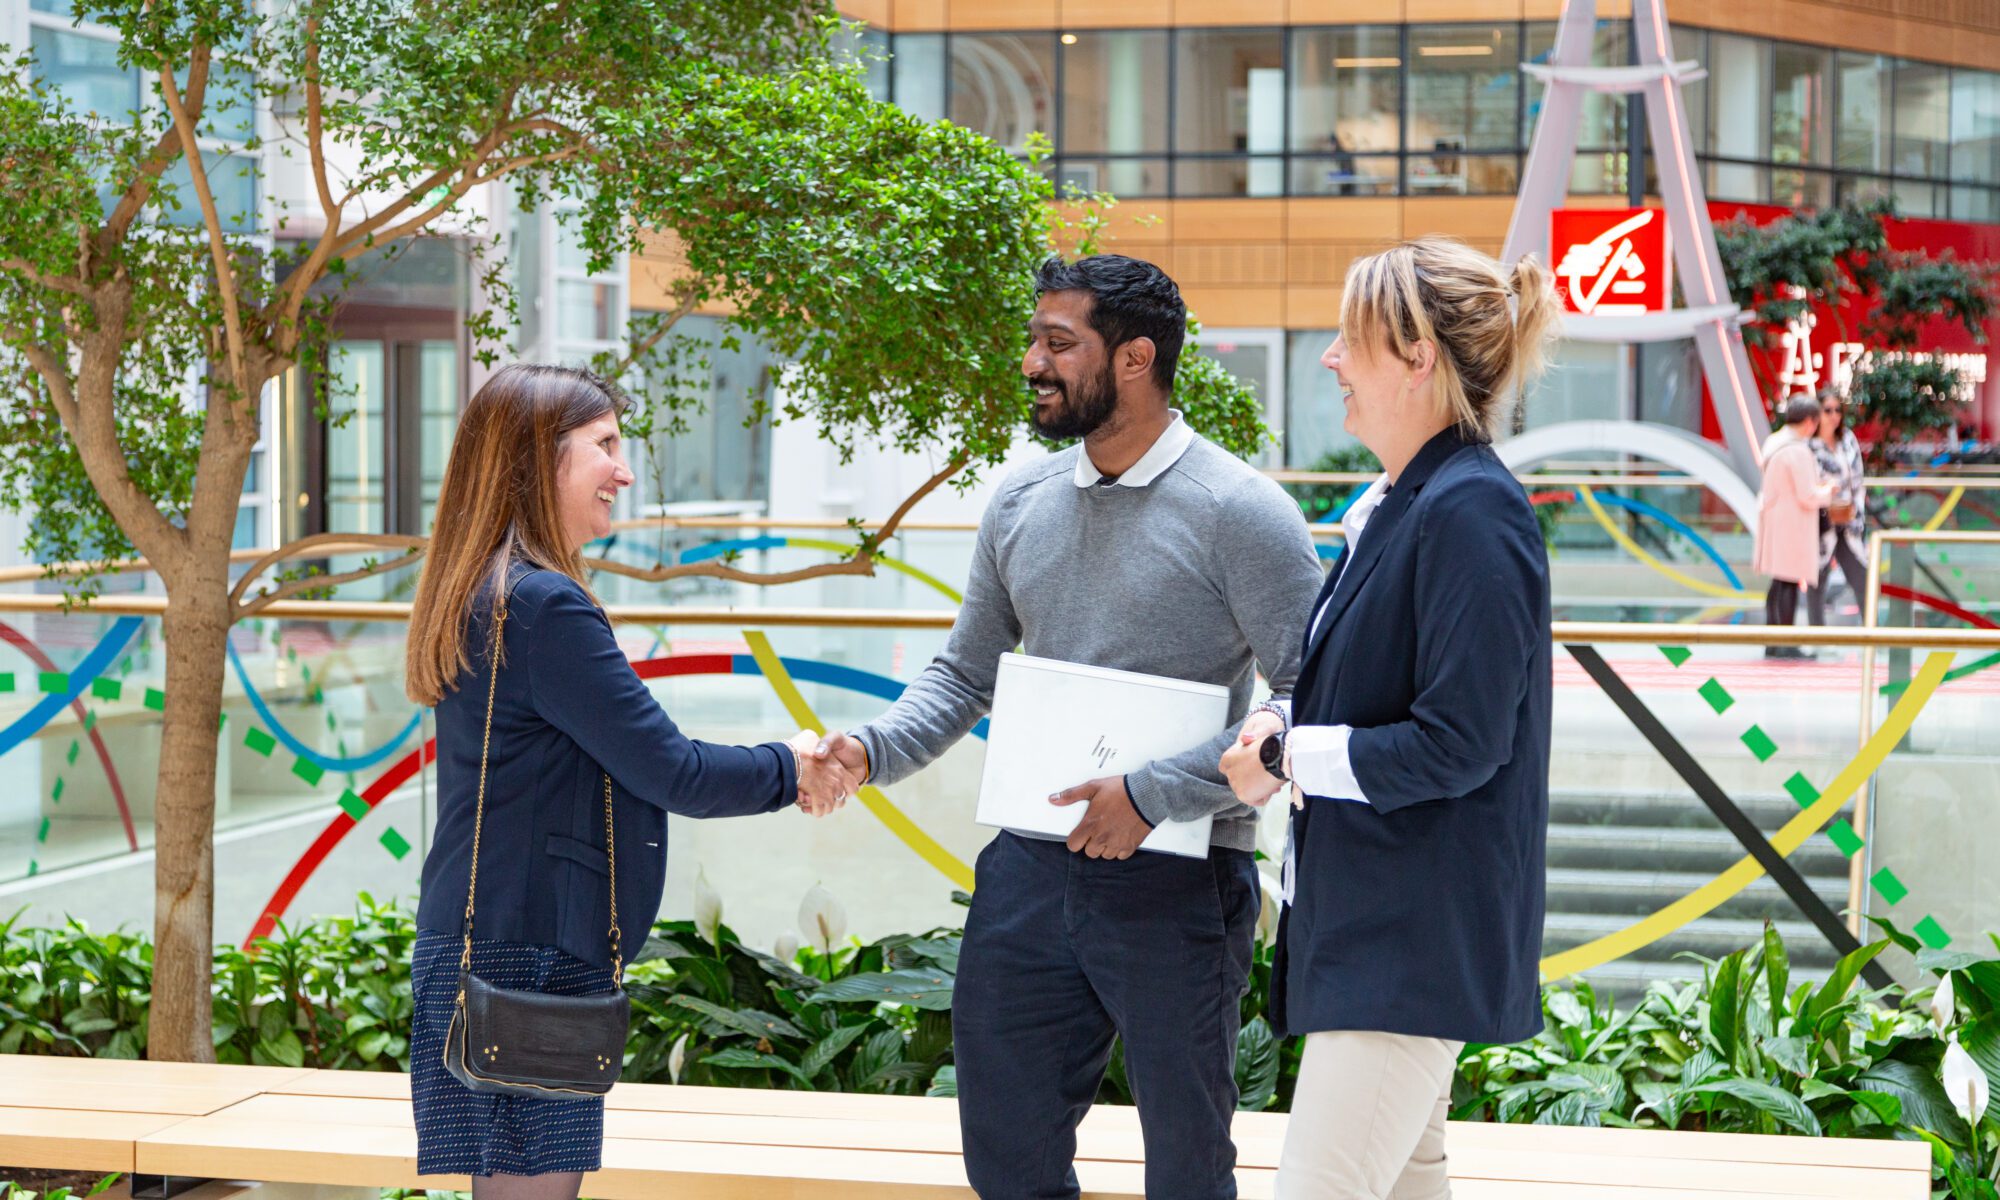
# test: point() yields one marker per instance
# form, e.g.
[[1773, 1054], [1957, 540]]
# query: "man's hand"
[[1112, 828], [847, 751], [1243, 764], [824, 784]]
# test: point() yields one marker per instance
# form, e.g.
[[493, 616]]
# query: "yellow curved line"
[[1706, 898], [885, 810], [1639, 552], [894, 564], [1713, 610], [1944, 510]]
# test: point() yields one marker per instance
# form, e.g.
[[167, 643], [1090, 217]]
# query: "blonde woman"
[[1420, 739]]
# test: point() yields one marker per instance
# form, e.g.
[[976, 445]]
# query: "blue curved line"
[[358, 762], [812, 670], [1678, 526], [101, 656], [718, 549]]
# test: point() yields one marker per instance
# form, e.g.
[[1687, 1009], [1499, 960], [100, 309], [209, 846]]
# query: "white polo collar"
[[1165, 451]]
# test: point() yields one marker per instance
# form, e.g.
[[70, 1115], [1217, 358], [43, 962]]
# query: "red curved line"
[[1896, 591], [691, 664], [1549, 497], [330, 837], [19, 641]]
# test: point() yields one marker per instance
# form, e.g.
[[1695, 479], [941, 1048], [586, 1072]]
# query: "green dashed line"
[[353, 805], [156, 700], [70, 758], [106, 689], [55, 793], [55, 681], [393, 842], [1839, 831], [6, 681], [311, 772], [259, 742]]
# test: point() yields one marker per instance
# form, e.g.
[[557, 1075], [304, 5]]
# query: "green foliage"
[[1818, 259], [12, 1191]]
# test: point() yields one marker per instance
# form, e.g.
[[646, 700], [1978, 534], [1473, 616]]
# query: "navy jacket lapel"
[[1381, 527]]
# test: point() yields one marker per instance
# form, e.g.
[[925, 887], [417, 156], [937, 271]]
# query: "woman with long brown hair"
[[556, 771]]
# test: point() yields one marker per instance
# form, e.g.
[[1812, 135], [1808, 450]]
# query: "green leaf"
[[1886, 1108], [919, 989], [738, 1056], [944, 1083], [1941, 961], [1787, 1108], [1925, 1106], [828, 1048], [749, 1021], [1889, 930], [1725, 1007], [281, 1051], [1777, 974], [1981, 1039], [1794, 1054], [1257, 1060], [1834, 990]]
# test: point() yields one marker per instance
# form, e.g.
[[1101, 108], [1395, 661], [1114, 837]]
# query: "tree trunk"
[[196, 631]]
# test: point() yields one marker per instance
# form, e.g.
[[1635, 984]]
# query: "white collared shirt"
[[1165, 451]]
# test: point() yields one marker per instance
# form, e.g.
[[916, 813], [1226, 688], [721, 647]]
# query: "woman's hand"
[[824, 784], [1243, 764]]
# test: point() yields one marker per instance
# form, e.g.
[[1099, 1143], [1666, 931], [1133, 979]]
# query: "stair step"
[[1712, 937], [1625, 981], [1636, 893], [1653, 848], [1677, 810]]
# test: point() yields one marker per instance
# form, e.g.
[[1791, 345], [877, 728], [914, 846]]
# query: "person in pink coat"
[[1788, 511]]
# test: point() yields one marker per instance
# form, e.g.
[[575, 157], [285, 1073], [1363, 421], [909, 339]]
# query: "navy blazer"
[[569, 709], [1420, 911]]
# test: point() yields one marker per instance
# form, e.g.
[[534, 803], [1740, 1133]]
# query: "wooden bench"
[[353, 1129]]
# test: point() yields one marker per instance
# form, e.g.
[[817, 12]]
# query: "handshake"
[[831, 769]]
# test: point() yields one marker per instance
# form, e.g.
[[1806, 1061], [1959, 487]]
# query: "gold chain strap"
[[479, 816]]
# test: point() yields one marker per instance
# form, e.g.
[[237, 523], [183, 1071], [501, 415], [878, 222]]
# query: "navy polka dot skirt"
[[462, 1132]]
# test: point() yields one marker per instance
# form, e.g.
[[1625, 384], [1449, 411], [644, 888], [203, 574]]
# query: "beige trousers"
[[1368, 1119]]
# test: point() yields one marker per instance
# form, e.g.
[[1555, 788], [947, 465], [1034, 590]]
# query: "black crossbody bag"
[[511, 1042]]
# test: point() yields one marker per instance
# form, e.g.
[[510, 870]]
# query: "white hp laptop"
[[1058, 724]]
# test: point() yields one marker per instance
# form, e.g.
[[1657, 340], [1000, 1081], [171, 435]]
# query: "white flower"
[[677, 1058], [707, 908], [1267, 916], [822, 920], [787, 948], [1942, 1006], [1965, 1083]]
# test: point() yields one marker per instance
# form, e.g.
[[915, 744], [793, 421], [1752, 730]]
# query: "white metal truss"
[[1711, 317]]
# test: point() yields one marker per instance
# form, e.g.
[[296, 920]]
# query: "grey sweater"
[[1197, 575]]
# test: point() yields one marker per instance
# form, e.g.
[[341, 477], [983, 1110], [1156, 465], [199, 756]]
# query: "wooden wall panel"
[[1312, 308], [1230, 264], [1227, 308], [1466, 217], [1464, 10], [1229, 12], [1344, 12], [1373, 218], [879, 13], [914, 16], [1115, 14], [1229, 220], [1002, 14]]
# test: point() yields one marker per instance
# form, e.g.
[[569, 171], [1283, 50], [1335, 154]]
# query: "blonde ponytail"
[[1491, 326]]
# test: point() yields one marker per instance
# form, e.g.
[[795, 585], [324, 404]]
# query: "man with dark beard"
[[1145, 548]]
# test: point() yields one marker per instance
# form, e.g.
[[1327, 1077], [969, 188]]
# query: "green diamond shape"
[[70, 758], [1801, 789], [393, 842], [1760, 743], [1677, 654], [107, 689], [1843, 836], [353, 805], [55, 796], [312, 773], [156, 700], [6, 681], [1718, 697], [1890, 887], [263, 743], [54, 681], [1933, 933]]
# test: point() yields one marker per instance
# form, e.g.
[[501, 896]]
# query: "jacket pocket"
[[581, 853]]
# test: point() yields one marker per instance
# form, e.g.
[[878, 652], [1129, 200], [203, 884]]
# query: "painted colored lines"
[[21, 642], [355, 806], [738, 545], [1898, 592], [326, 762], [64, 688], [1704, 899], [1639, 552]]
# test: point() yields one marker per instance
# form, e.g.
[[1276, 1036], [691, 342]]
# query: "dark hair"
[[1130, 298], [498, 504], [1800, 408]]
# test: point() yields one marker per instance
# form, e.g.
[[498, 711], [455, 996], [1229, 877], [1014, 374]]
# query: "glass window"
[[228, 107], [1344, 175], [1230, 91], [1794, 188], [1313, 409], [1862, 136], [870, 48], [232, 179], [1923, 105], [717, 456], [437, 417], [1858, 189], [1801, 104], [1003, 85], [1115, 93], [1691, 45], [1916, 198], [356, 462], [1120, 176], [61, 8], [917, 73], [1586, 381], [1346, 90], [1739, 101], [1229, 176], [1464, 88], [1449, 173], [1747, 182], [585, 312], [1975, 126], [85, 71], [1975, 204]]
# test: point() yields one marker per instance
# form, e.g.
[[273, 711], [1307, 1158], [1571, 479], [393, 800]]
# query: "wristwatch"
[[1272, 754]]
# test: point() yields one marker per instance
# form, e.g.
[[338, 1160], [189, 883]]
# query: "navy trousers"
[[1063, 951]]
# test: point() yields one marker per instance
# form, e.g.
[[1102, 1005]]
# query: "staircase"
[[1617, 856]]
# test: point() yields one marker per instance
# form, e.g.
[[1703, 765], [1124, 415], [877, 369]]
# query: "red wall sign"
[[1611, 261]]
